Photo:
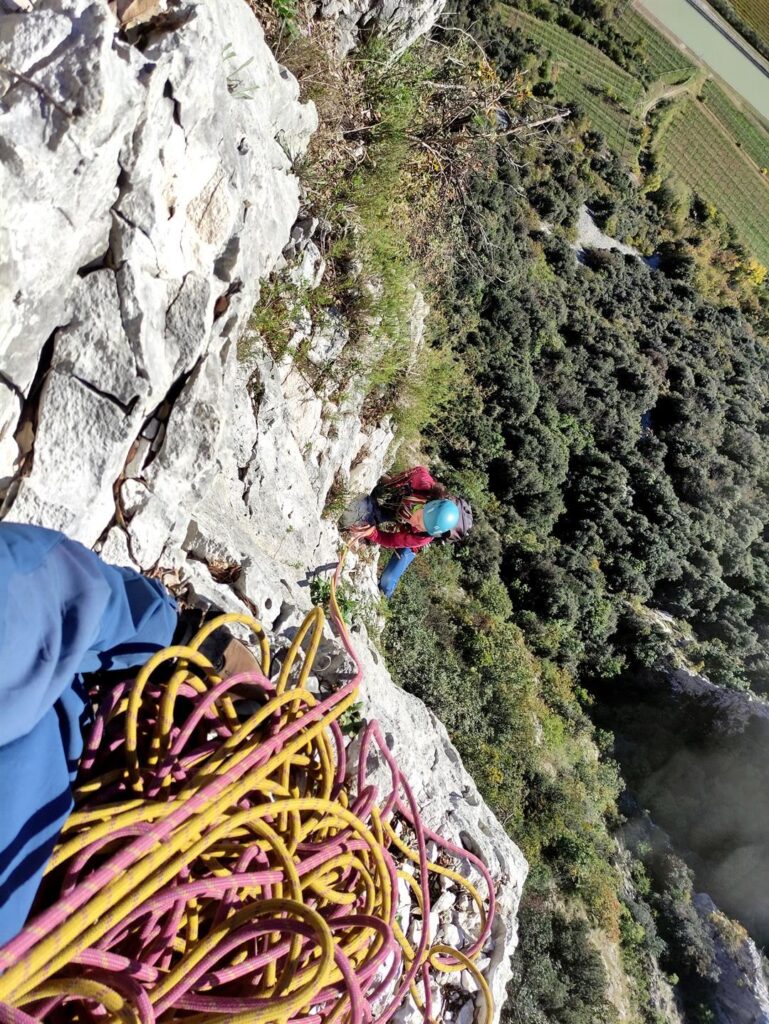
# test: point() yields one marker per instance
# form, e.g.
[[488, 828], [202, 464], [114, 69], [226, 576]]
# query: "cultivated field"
[[662, 58], [706, 159], [756, 13], [747, 131], [710, 144], [584, 75]]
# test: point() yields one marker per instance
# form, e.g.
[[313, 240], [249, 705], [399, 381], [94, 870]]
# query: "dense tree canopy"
[[616, 417], [612, 433]]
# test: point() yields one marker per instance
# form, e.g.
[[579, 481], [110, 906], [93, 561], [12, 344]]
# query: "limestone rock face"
[[149, 179], [151, 189], [401, 21], [742, 996], [62, 139]]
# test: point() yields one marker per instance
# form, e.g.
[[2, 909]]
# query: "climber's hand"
[[357, 534]]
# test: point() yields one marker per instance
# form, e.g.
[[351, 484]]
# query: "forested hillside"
[[606, 416], [613, 424], [620, 420], [612, 433]]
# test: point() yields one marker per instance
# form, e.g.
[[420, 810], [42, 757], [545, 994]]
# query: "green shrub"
[[558, 976], [320, 594]]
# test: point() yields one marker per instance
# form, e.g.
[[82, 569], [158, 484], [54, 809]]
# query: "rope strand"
[[225, 865]]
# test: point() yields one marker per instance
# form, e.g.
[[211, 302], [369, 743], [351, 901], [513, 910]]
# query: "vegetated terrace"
[[712, 147], [581, 73], [696, 150], [750, 134], [756, 13]]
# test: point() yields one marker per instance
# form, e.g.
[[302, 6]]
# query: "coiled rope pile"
[[221, 866]]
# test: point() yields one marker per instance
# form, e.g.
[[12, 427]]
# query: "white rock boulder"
[[151, 186], [401, 21]]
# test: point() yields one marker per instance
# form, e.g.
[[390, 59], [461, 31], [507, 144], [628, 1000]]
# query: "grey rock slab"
[[334, 451], [144, 299], [208, 591], [304, 407], [407, 1014], [268, 522], [309, 270], [29, 40], [133, 496], [420, 310], [187, 320], [82, 441], [186, 462], [94, 347], [115, 550], [401, 21], [374, 450], [241, 423], [59, 172], [156, 525], [468, 983], [280, 497], [466, 1013], [301, 233], [15, 6], [444, 902], [10, 409], [328, 338], [263, 577]]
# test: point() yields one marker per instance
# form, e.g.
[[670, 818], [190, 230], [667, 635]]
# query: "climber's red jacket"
[[418, 484]]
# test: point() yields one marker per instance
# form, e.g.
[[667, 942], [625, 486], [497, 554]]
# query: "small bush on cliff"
[[281, 19], [398, 143], [558, 977]]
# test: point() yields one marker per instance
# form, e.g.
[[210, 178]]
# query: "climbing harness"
[[225, 864]]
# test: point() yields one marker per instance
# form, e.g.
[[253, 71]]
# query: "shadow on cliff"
[[697, 758]]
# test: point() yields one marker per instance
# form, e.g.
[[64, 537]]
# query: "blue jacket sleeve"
[[64, 611]]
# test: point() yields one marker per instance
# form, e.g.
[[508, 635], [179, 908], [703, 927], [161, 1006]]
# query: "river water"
[[688, 24]]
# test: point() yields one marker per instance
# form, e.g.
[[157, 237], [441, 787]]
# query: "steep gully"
[[695, 756]]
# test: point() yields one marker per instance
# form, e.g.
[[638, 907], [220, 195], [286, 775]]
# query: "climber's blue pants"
[[395, 568], [63, 612]]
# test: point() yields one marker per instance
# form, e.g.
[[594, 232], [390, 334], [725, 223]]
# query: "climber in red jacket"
[[406, 511]]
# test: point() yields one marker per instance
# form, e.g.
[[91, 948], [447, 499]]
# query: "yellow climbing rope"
[[227, 862]]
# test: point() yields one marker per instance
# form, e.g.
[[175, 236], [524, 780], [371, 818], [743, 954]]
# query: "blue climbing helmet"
[[440, 516]]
